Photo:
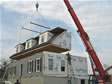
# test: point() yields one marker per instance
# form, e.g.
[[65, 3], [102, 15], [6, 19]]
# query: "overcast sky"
[[94, 15]]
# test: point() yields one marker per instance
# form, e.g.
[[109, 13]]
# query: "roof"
[[30, 39], [55, 30], [47, 46], [20, 44], [109, 68]]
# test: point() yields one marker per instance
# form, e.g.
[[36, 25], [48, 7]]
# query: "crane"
[[95, 62]]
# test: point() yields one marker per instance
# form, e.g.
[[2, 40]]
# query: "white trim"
[[51, 64], [63, 65], [30, 61], [38, 64], [28, 44]]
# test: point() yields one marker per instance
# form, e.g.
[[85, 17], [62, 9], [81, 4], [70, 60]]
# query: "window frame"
[[37, 65], [50, 64], [30, 66], [28, 44], [63, 65], [42, 39], [17, 49]]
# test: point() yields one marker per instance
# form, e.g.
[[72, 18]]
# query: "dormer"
[[19, 48], [44, 37], [30, 43], [56, 40]]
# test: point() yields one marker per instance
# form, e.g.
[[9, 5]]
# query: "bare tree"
[[3, 65]]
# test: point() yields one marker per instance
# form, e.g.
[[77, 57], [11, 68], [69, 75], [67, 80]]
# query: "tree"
[[3, 65]]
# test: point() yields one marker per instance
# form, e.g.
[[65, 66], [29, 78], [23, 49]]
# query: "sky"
[[94, 15]]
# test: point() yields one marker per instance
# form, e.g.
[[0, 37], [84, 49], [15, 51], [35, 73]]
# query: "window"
[[42, 39], [28, 44], [14, 70], [37, 65], [30, 66], [82, 81], [21, 72], [17, 49], [62, 65], [69, 81], [50, 63]]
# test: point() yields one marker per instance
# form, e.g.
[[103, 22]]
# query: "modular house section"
[[48, 64], [56, 64], [79, 66], [56, 40]]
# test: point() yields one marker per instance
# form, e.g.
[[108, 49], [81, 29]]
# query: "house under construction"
[[39, 60]]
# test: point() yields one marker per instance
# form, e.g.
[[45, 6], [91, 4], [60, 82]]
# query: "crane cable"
[[21, 33], [37, 5], [43, 19], [29, 20]]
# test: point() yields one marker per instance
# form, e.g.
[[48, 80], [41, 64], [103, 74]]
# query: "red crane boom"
[[87, 43]]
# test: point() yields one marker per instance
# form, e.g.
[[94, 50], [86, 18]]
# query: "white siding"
[[79, 66], [78, 69], [56, 64]]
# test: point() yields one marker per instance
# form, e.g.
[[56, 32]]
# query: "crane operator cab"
[[92, 79]]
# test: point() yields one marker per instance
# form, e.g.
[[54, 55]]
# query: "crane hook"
[[37, 5]]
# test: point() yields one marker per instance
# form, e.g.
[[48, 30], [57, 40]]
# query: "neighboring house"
[[109, 71], [39, 61]]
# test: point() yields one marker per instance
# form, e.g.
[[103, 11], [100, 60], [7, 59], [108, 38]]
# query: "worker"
[[17, 82]]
